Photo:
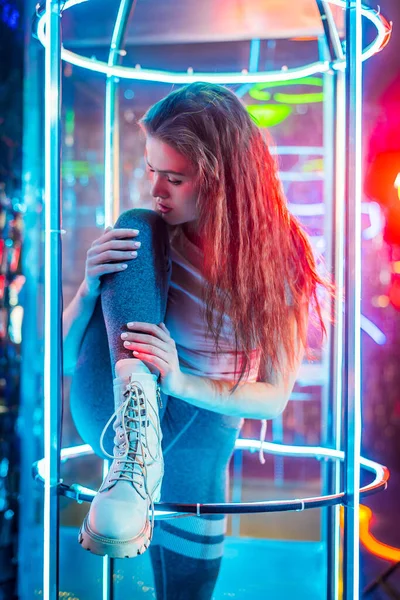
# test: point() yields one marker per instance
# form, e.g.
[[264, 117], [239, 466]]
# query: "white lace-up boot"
[[119, 522]]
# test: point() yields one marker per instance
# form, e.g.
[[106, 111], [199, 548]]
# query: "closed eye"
[[173, 181]]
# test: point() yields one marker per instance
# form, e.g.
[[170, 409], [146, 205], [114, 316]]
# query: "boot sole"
[[113, 548], [102, 546]]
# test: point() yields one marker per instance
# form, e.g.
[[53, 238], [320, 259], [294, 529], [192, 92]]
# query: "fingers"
[[152, 329], [154, 363], [135, 338], [112, 234], [113, 255], [117, 245], [153, 350], [106, 269], [110, 253]]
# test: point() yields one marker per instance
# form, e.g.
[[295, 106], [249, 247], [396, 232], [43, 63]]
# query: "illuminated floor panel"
[[251, 570]]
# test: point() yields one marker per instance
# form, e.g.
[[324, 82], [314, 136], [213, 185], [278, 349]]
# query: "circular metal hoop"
[[165, 510], [383, 32]]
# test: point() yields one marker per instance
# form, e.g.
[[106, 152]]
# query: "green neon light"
[[69, 122], [259, 94], [269, 115], [299, 98], [78, 168], [257, 91]]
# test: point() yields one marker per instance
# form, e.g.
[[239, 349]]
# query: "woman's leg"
[[187, 552], [119, 521], [139, 293]]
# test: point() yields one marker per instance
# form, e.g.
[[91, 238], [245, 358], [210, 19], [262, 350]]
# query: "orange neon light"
[[370, 542], [397, 185]]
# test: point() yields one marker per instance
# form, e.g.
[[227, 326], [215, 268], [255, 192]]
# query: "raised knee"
[[139, 218]]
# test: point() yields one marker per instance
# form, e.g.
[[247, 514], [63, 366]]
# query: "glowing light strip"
[[376, 219], [254, 55], [108, 155], [298, 98], [373, 16], [397, 185], [371, 543], [316, 209], [106, 560], [47, 341], [51, 382], [183, 78], [301, 176], [300, 150], [232, 78], [338, 332], [353, 266], [373, 331], [241, 444]]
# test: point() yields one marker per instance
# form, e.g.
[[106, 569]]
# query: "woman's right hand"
[[109, 254]]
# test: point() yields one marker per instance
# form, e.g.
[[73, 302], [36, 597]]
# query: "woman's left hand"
[[155, 347]]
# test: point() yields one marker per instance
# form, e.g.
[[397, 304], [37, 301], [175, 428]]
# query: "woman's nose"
[[158, 189]]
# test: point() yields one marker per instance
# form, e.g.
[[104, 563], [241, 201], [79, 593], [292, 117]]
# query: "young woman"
[[201, 326]]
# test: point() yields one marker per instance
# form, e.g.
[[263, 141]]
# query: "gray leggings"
[[197, 444]]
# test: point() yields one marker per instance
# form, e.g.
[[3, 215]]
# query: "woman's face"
[[172, 182]]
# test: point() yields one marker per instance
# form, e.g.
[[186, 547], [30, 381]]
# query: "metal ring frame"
[[337, 63], [171, 509]]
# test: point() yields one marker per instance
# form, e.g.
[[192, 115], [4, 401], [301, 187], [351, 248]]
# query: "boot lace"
[[132, 451]]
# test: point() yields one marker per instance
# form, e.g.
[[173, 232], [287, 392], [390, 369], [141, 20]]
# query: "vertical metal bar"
[[111, 125], [254, 59], [352, 364], [52, 302], [334, 170], [335, 131], [277, 437], [112, 207], [337, 341], [327, 402], [111, 154], [30, 546], [237, 490], [107, 562]]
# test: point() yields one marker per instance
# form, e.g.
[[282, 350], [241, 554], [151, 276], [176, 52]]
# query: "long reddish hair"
[[259, 266]]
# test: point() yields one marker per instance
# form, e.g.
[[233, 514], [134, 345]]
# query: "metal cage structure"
[[341, 67]]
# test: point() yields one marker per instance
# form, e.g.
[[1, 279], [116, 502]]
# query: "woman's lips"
[[163, 208]]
